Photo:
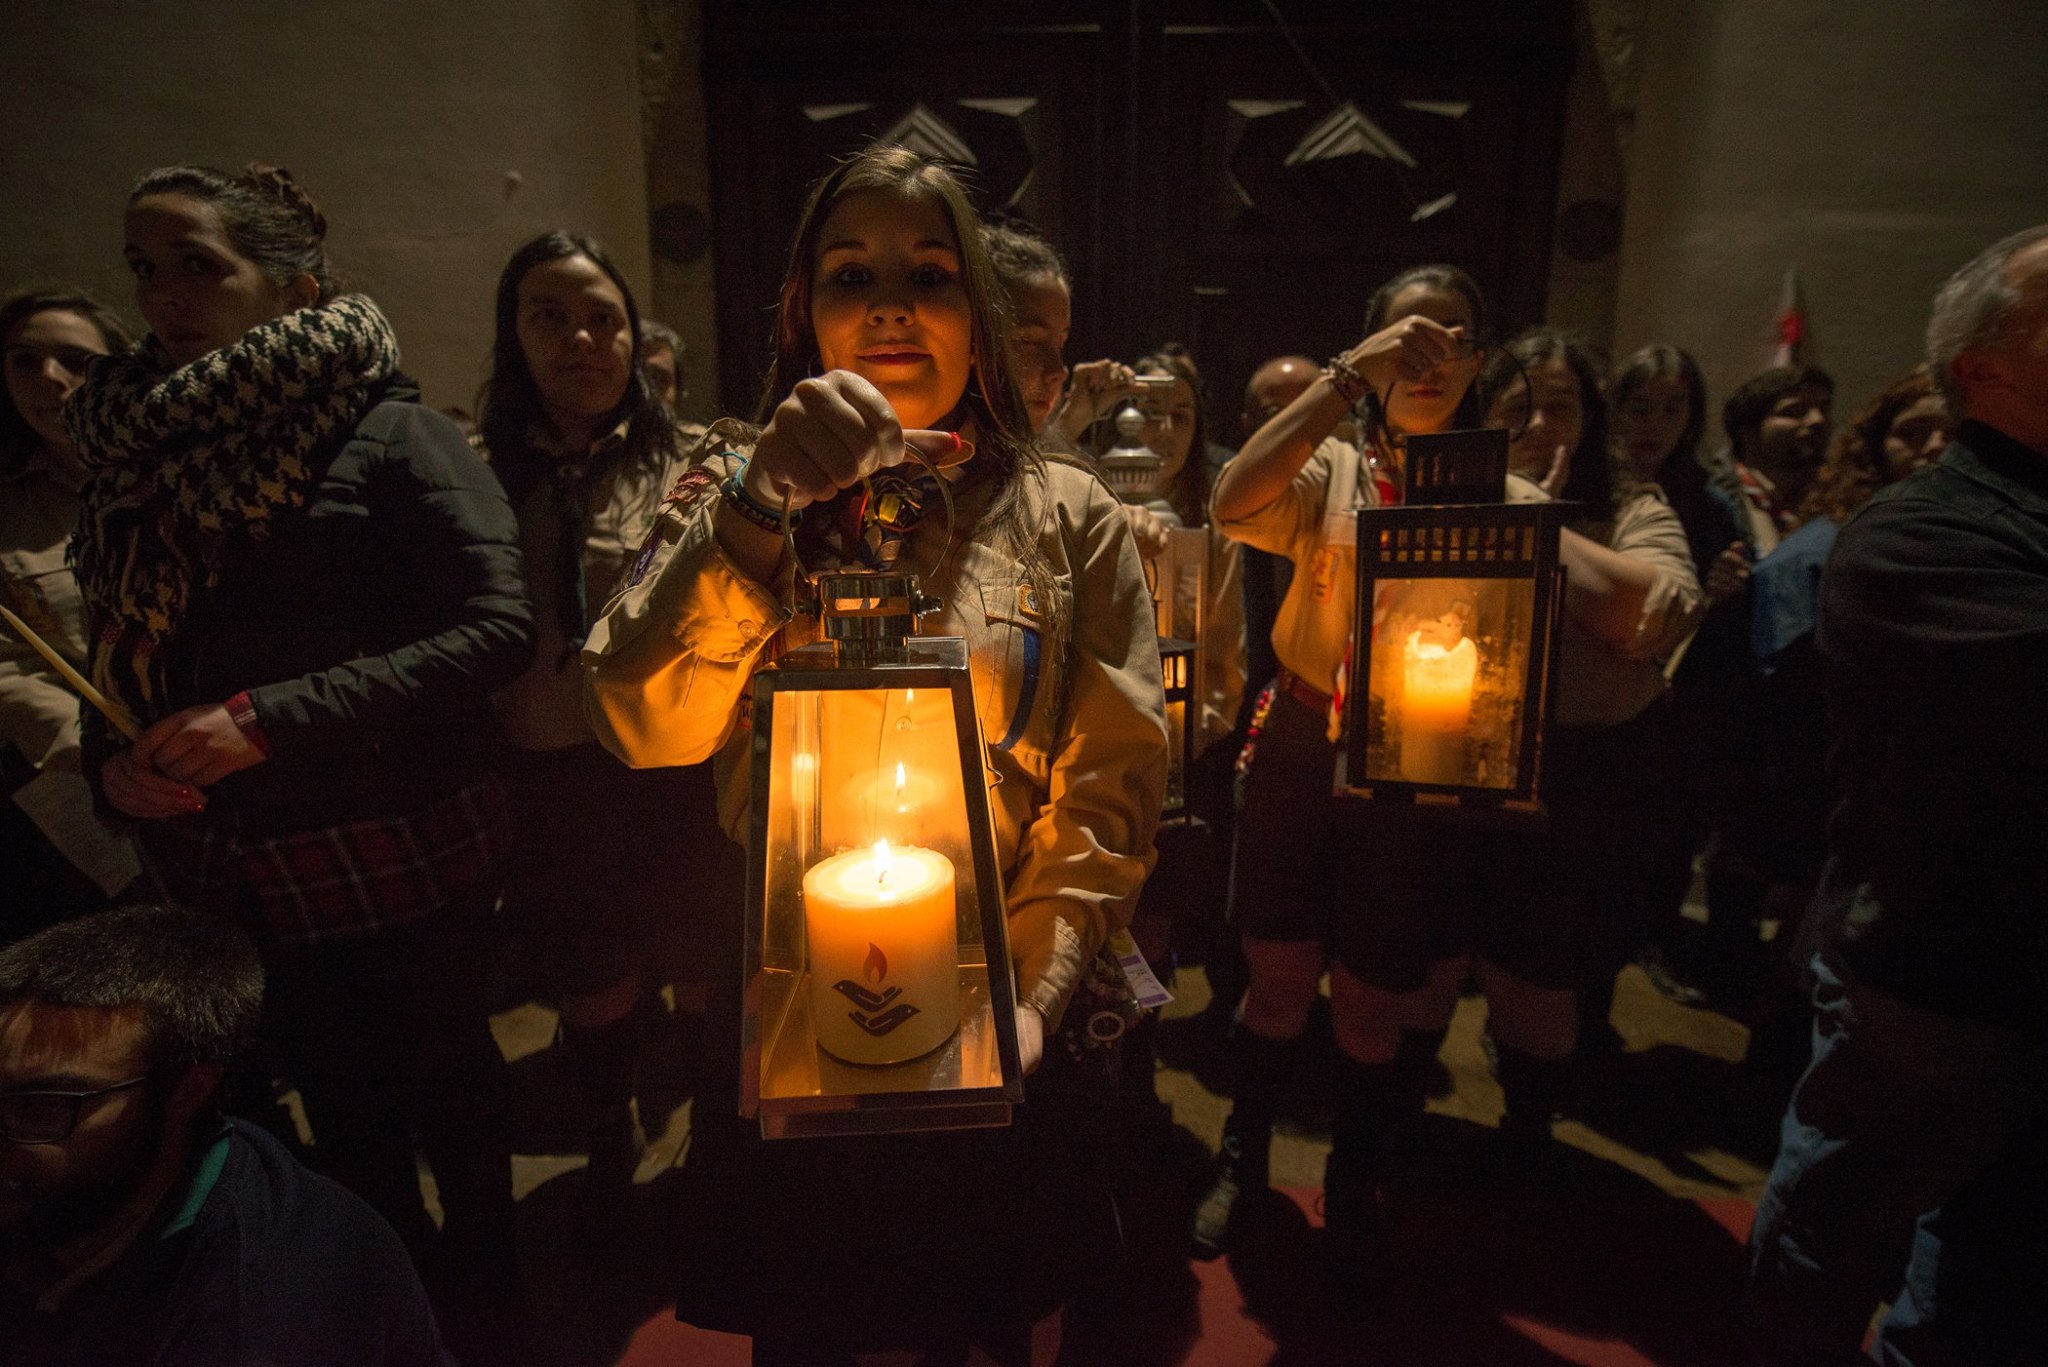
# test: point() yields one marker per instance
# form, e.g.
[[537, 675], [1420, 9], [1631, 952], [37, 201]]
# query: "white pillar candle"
[[884, 953], [1436, 708]]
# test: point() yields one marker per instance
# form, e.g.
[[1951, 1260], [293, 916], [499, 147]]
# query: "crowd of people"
[[340, 700]]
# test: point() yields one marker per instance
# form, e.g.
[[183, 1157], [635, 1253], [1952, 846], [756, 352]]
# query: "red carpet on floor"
[[1228, 1337]]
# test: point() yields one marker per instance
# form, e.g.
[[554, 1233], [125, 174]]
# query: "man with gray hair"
[[1913, 1166]]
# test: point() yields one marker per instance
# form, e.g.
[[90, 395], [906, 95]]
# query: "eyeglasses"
[[50, 1117]]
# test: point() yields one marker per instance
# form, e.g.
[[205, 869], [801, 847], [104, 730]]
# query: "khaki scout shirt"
[[1314, 523], [1598, 684], [38, 711], [543, 708], [38, 714], [1075, 800]]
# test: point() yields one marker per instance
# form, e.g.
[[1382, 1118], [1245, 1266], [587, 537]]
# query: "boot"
[[1145, 1120], [604, 1057], [1374, 1100], [1532, 1086], [1263, 1068]]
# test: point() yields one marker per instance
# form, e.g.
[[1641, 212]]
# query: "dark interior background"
[[1209, 182]]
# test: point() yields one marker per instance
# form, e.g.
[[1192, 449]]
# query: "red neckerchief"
[[1764, 496], [1389, 495]]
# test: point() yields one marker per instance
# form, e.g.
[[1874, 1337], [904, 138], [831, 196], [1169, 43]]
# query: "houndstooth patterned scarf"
[[185, 461]]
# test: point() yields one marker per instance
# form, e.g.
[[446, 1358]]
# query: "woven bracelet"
[[733, 489], [1345, 379]]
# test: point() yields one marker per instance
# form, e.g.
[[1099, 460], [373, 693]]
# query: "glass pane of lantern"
[[1177, 740], [1446, 674], [875, 974]]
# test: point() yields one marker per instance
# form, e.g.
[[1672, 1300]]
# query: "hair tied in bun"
[[278, 181]]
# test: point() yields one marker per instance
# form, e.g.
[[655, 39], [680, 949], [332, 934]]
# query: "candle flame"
[[884, 861], [899, 782]]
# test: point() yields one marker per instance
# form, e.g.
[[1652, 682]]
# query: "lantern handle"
[[945, 496]]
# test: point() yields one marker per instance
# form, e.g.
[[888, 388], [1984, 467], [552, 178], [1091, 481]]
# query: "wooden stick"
[[110, 709]]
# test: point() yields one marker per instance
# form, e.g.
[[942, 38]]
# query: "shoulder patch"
[[696, 483], [645, 560]]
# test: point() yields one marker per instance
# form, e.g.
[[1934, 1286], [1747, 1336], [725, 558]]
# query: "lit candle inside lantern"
[[1436, 706], [884, 952]]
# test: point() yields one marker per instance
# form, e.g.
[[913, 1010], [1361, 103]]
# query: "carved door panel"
[[1429, 138], [1205, 183], [1015, 106]]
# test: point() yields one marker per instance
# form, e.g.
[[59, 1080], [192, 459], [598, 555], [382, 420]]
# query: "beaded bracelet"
[[733, 490], [1345, 379]]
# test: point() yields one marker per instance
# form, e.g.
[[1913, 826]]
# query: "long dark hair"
[[509, 405], [1190, 492], [1662, 361], [1855, 464], [1437, 275], [18, 441], [1591, 481], [268, 217], [992, 400]]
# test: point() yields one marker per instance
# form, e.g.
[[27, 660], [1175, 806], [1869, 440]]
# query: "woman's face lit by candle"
[[889, 303], [1427, 403]]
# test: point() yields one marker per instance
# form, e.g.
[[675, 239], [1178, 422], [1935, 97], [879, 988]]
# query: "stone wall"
[[1874, 145], [436, 136]]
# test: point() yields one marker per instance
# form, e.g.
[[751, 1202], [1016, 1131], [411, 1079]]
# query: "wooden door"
[[1209, 181]]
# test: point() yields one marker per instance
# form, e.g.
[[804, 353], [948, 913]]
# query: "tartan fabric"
[[348, 880]]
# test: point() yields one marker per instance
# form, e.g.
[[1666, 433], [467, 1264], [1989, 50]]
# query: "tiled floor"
[[1629, 1254]]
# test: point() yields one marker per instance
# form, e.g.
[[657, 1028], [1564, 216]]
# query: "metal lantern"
[[1179, 578], [1180, 598], [1459, 601], [879, 993], [1130, 467], [1183, 714]]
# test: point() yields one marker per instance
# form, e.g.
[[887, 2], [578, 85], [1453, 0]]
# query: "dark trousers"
[[1912, 1169], [388, 1040]]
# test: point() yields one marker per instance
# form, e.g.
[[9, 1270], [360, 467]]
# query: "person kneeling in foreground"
[[136, 1224]]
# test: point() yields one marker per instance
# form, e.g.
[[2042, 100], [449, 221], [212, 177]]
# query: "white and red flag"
[[1791, 322]]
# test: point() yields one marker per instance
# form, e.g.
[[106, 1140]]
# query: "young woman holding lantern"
[[892, 341], [1320, 882], [1386, 897]]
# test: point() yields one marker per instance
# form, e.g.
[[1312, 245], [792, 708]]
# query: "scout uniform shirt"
[[1314, 523], [38, 711], [1068, 689]]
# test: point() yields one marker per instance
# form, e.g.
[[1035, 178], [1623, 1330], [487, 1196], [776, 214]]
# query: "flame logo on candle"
[[875, 1012]]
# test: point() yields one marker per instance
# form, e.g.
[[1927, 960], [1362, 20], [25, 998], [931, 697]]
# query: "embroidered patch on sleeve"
[[697, 483], [645, 561]]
